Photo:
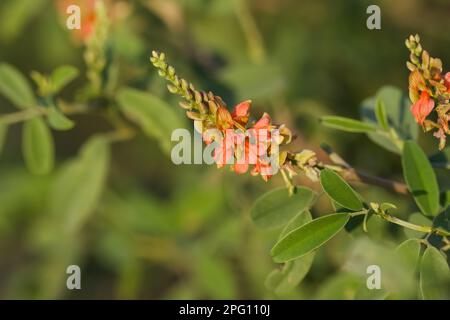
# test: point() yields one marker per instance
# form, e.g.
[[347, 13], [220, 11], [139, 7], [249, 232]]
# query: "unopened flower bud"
[[172, 89], [212, 107], [195, 115], [184, 84], [304, 156], [185, 105], [223, 118], [171, 71], [202, 108]]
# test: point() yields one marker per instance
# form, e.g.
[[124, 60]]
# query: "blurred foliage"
[[141, 227]]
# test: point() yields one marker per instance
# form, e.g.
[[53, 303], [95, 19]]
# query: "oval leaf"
[[380, 113], [276, 208], [154, 116], [15, 87], [286, 279], [37, 146], [347, 124], [296, 222], [58, 120], [409, 253], [420, 178], [339, 190], [400, 118], [79, 184], [434, 276], [61, 76], [308, 237]]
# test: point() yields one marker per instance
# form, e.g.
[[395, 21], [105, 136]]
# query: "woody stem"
[[353, 175]]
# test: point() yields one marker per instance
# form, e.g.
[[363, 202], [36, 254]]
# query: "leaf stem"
[[22, 115], [412, 226], [26, 114]]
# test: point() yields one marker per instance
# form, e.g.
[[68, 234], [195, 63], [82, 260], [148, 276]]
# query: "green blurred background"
[[164, 231]]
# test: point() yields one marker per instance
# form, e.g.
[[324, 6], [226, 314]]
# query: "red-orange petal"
[[447, 81], [264, 122], [242, 109], [423, 107]]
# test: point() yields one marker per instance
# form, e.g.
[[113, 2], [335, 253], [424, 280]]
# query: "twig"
[[353, 175], [22, 115]]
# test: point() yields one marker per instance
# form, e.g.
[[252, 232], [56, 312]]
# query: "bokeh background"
[[162, 231]]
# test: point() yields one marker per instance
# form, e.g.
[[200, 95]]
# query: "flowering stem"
[[288, 181]]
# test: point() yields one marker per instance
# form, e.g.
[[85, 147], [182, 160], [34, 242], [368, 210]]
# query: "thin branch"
[[22, 115], [353, 175]]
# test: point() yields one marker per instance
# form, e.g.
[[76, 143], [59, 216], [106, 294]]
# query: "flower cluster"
[[248, 143], [429, 91]]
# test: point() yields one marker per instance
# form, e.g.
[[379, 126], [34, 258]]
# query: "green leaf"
[[395, 268], [61, 76], [3, 132], [434, 276], [400, 119], [296, 222], [385, 206], [79, 184], [276, 208], [409, 252], [37, 146], [15, 87], [155, 117], [342, 286], [380, 113], [286, 279], [347, 124], [289, 277], [340, 191], [444, 199], [58, 120], [308, 237], [420, 178]]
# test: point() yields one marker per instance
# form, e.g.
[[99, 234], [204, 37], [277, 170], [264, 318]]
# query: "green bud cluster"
[[420, 59], [199, 105]]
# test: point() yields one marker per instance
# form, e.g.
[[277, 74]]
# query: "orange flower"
[[422, 107], [241, 112], [254, 149], [244, 148], [224, 120]]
